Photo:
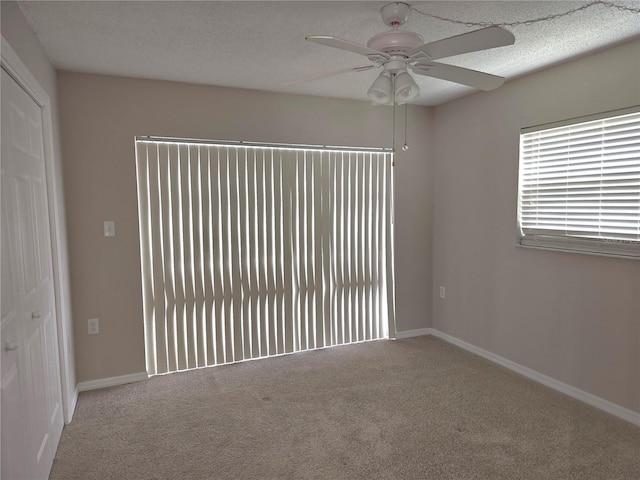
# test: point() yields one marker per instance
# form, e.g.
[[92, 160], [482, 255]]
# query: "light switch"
[[110, 228]]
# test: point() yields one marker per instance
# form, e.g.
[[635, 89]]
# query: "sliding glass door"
[[254, 251]]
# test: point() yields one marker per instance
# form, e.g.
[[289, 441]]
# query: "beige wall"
[[573, 317], [17, 32], [100, 117]]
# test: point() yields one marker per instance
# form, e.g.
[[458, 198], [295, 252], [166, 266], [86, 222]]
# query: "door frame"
[[15, 67]]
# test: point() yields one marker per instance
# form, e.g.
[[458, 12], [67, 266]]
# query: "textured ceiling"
[[259, 45]]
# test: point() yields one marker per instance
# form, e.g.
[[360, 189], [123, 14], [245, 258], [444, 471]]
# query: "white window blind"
[[579, 185], [254, 251]]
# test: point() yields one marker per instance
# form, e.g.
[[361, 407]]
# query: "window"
[[259, 250], [579, 185]]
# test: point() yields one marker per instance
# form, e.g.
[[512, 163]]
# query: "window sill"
[[583, 252]]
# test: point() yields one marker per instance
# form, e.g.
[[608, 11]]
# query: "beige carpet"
[[408, 409]]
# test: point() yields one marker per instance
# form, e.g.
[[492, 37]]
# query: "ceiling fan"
[[397, 51]]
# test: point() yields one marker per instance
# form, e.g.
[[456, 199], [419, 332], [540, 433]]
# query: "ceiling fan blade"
[[475, 41], [345, 45], [318, 76], [464, 76]]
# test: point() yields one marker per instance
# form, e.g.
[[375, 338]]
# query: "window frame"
[[562, 242]]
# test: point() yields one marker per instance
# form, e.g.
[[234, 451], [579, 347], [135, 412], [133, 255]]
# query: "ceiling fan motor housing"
[[395, 42]]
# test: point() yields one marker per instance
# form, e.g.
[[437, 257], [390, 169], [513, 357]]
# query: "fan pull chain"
[[405, 147], [532, 21], [393, 127], [393, 132]]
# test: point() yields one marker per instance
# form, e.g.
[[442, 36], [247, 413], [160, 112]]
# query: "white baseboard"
[[413, 333], [112, 381], [72, 406], [588, 398]]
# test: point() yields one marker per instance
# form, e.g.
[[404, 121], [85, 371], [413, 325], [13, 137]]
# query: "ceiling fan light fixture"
[[380, 91], [406, 89]]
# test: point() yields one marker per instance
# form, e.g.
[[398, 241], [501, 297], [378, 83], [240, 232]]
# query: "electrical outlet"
[[94, 326], [109, 228], [442, 292]]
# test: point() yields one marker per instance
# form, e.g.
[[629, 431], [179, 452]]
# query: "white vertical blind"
[[580, 185], [254, 251]]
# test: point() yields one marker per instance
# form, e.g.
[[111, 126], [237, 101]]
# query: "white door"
[[32, 417]]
